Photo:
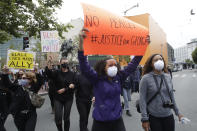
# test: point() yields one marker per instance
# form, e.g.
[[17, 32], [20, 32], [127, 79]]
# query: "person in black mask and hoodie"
[[64, 81]]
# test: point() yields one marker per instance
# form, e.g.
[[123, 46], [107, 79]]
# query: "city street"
[[185, 84]]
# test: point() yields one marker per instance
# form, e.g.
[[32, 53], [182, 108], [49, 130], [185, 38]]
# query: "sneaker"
[[128, 113]]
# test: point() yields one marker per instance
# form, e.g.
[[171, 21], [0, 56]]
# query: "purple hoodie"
[[106, 92]]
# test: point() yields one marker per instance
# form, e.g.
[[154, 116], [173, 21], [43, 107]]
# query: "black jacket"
[[5, 94], [84, 90], [20, 99], [62, 80]]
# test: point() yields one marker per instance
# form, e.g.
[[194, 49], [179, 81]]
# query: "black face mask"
[[65, 65]]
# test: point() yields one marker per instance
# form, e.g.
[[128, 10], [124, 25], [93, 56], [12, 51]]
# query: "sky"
[[173, 16]]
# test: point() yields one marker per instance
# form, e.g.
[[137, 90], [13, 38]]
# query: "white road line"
[[194, 75], [184, 75], [176, 75]]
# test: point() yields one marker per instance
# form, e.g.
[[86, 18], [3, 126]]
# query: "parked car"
[[180, 69], [175, 69]]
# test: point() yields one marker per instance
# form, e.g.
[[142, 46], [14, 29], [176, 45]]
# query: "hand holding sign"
[[110, 34], [82, 35], [5, 69]]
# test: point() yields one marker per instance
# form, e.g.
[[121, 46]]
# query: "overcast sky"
[[173, 16]]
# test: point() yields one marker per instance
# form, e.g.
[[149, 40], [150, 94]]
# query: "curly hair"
[[148, 65], [100, 66]]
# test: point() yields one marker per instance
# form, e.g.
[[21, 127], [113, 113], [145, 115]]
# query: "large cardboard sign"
[[50, 41], [111, 34], [20, 60]]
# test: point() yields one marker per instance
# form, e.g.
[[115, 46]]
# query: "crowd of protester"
[[102, 85]]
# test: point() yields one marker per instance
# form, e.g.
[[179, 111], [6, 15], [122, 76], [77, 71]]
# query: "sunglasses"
[[26, 78]]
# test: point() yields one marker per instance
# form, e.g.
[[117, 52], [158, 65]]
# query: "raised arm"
[[85, 68], [131, 67]]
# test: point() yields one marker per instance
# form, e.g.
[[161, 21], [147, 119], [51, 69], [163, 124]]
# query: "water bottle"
[[184, 120]]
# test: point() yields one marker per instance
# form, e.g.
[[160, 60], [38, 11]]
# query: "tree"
[[194, 56], [37, 47], [39, 55], [3, 62], [188, 61], [29, 16]]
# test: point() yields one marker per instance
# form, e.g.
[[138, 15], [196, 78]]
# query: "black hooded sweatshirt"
[[62, 80]]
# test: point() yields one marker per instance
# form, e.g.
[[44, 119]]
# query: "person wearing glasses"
[[24, 113]]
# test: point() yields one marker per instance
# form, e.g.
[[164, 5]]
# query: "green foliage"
[[12, 46], [30, 17], [4, 36], [37, 47], [188, 61], [3, 62], [194, 56]]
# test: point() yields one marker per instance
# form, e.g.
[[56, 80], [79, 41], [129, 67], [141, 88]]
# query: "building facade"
[[171, 58], [185, 52], [191, 47], [181, 54]]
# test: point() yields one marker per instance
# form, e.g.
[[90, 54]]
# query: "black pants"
[[162, 124], [3, 117], [117, 125], [26, 121], [84, 111], [59, 106], [51, 97]]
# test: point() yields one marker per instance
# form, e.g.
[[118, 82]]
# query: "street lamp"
[[125, 12]]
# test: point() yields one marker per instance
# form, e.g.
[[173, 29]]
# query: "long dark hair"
[[100, 66], [148, 65]]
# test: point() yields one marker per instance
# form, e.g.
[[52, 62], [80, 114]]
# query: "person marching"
[[156, 83], [127, 86], [64, 81], [84, 95], [22, 109], [5, 99], [106, 80]]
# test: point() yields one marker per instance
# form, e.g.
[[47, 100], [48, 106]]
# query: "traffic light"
[[25, 42]]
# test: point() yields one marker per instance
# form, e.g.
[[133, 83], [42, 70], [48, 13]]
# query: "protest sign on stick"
[[111, 34], [50, 41], [20, 60]]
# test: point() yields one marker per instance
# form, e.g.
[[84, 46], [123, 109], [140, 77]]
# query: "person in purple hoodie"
[[106, 80]]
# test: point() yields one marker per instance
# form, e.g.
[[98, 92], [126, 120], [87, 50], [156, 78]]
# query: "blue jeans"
[[127, 98]]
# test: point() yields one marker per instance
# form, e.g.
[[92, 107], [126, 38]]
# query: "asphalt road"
[[185, 84]]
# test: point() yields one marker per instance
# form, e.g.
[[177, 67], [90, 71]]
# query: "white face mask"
[[112, 71], [159, 65]]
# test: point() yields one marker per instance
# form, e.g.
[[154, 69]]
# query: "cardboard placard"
[[111, 34], [50, 41], [20, 60]]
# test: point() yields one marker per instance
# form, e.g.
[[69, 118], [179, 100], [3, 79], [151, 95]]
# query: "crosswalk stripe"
[[194, 75]]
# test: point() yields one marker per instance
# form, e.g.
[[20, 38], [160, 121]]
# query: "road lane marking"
[[184, 75], [194, 75], [176, 75]]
